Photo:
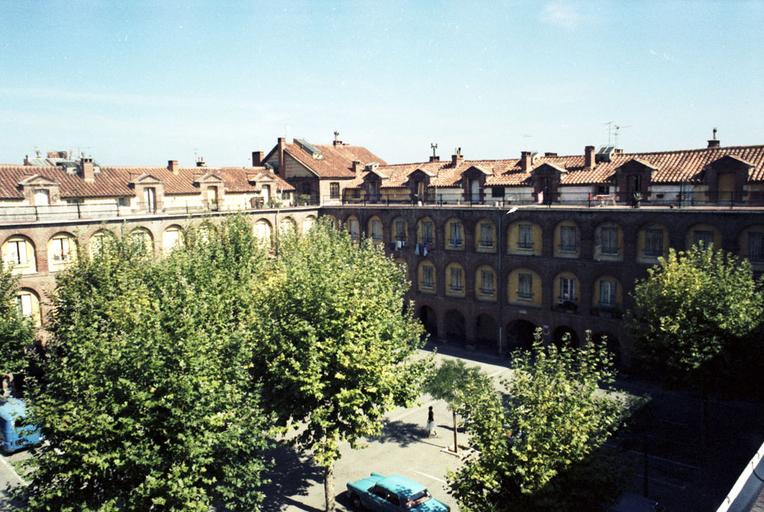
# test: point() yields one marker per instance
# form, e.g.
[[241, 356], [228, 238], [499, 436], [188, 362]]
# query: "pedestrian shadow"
[[292, 475]]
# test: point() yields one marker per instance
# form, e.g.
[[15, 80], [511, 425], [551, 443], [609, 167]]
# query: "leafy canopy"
[[148, 402], [552, 417], [16, 332], [691, 307], [336, 346]]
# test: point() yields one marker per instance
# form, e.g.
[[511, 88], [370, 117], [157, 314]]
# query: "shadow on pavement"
[[480, 356], [292, 475], [404, 434]]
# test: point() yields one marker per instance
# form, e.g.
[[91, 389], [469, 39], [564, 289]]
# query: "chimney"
[[457, 157], [172, 166], [714, 142], [281, 146], [589, 157], [88, 172], [356, 167], [434, 158], [26, 160], [257, 158], [526, 161], [550, 153], [200, 162], [337, 141]]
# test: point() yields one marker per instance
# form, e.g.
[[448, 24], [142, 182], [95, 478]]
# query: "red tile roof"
[[669, 167], [114, 181], [335, 161]]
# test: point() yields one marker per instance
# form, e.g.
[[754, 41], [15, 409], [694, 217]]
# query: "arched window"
[[287, 226], [375, 229], [524, 238], [566, 290], [354, 228], [608, 242], [264, 232], [653, 243], [425, 232], [400, 232], [19, 255], [308, 223], [98, 240], [751, 242], [426, 277], [143, 237], [62, 251], [28, 303], [485, 236], [455, 285], [567, 240], [454, 235], [524, 287], [705, 235], [172, 238], [608, 294], [485, 283]]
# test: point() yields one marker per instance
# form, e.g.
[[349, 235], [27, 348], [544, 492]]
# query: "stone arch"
[[20, 254], [287, 226], [427, 278], [172, 238], [486, 332], [703, 233], [429, 320], [651, 245], [485, 235], [62, 250], [562, 332], [353, 226], [524, 287], [486, 283], [264, 232], [520, 334], [426, 231], [454, 234], [608, 241], [399, 230], [308, 223], [567, 239], [456, 279], [456, 326], [28, 302], [375, 229], [143, 236], [525, 237], [97, 241]]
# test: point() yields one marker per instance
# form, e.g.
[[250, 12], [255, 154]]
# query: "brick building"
[[493, 248]]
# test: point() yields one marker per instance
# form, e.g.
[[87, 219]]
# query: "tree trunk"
[[456, 445], [329, 487]]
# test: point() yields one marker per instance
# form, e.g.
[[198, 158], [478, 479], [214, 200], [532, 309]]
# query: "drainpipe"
[[500, 253]]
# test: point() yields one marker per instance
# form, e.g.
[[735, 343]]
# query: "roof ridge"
[[693, 150]]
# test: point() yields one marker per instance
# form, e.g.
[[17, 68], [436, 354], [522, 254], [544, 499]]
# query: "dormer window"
[[150, 199], [41, 197]]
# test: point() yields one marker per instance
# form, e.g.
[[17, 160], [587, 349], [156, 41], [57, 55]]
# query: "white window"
[[171, 239], [567, 289], [653, 242], [376, 230], [609, 240], [355, 229], [525, 241], [457, 279], [263, 231], [568, 238], [16, 253], [150, 199], [24, 303], [525, 285], [607, 292], [41, 197], [61, 248]]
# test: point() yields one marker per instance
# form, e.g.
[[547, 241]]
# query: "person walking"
[[431, 423]]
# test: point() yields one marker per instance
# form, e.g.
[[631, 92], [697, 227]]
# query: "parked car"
[[378, 493], [15, 433]]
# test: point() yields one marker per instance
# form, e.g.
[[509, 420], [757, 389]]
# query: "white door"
[[475, 191]]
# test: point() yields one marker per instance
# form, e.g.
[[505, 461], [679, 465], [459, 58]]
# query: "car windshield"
[[418, 498]]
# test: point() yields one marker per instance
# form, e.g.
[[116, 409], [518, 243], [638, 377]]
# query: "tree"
[[691, 308], [16, 332], [456, 383], [542, 434], [148, 402], [336, 345]]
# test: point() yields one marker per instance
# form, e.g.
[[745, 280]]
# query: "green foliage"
[[336, 351], [16, 332], [450, 379], [148, 401], [691, 307], [533, 442]]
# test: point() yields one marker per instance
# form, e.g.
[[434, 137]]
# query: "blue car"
[[392, 493], [15, 434]]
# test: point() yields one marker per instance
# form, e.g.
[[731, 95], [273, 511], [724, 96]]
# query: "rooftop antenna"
[[714, 137], [336, 135], [434, 147], [37, 150], [609, 125], [618, 129]]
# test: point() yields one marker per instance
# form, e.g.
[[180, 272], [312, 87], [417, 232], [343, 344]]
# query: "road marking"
[[429, 476], [12, 470]]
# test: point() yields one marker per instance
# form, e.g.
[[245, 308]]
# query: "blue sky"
[[135, 82]]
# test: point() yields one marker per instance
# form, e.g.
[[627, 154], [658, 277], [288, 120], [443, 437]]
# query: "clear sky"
[[134, 82]]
